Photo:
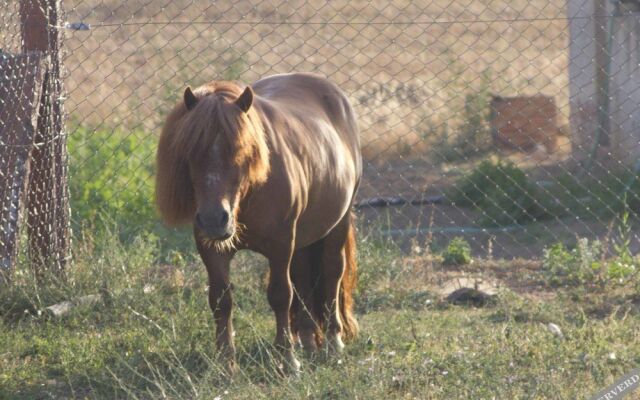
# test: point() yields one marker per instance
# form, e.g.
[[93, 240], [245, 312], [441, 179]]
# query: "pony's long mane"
[[190, 134]]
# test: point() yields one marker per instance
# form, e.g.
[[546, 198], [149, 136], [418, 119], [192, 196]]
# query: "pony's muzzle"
[[215, 224]]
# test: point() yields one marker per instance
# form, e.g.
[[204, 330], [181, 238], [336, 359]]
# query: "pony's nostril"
[[214, 220]]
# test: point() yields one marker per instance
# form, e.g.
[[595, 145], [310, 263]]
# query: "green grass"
[[160, 344]]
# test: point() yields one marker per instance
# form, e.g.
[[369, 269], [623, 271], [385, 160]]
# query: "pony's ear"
[[245, 99], [190, 99]]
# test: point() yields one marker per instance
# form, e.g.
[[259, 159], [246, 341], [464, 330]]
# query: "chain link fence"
[[33, 162], [513, 124]]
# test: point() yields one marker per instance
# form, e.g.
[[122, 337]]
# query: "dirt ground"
[[520, 276]]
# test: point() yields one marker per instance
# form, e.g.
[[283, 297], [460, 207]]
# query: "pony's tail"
[[348, 284]]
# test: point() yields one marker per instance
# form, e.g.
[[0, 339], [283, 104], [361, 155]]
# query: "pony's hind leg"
[[305, 270], [220, 299], [333, 267]]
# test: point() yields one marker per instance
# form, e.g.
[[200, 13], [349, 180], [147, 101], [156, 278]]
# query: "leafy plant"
[[458, 252], [582, 265], [624, 263], [572, 267]]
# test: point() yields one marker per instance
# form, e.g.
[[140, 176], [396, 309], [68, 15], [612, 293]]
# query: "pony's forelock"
[[189, 135], [175, 197]]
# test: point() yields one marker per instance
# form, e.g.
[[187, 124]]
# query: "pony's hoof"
[[291, 365], [308, 344], [232, 367], [227, 360], [334, 344]]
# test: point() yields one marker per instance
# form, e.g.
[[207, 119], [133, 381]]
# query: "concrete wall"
[[588, 71], [625, 85]]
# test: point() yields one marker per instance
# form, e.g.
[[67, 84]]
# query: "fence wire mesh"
[[513, 124], [33, 189]]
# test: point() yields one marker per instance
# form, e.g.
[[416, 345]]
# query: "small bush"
[[475, 134], [573, 267], [472, 137], [500, 190], [458, 252]]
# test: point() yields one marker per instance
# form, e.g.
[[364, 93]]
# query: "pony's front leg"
[[280, 296], [220, 299]]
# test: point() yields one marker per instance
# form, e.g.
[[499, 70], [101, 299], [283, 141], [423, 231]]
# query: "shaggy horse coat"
[[273, 168]]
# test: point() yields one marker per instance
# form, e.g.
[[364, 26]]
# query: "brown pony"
[[273, 168]]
